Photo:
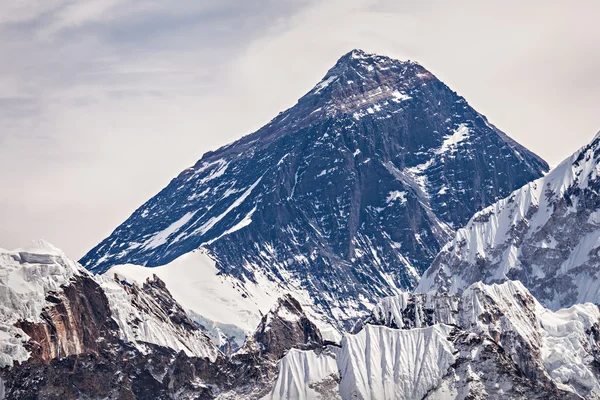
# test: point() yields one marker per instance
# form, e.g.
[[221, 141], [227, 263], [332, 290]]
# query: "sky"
[[102, 102]]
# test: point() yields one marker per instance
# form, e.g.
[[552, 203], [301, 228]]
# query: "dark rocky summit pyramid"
[[349, 194]]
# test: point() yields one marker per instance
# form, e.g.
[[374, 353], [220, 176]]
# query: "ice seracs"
[[306, 375], [383, 363], [492, 342]]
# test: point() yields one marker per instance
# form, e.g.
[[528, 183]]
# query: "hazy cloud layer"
[[102, 102]]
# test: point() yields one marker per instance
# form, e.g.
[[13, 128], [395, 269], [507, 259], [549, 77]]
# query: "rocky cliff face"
[[68, 335], [74, 321], [544, 235], [284, 327], [348, 195]]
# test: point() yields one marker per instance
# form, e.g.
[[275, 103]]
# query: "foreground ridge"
[[84, 336]]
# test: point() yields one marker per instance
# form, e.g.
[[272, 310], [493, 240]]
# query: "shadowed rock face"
[[349, 194], [76, 351], [284, 327]]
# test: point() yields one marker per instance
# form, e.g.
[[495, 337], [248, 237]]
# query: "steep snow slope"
[[348, 195], [196, 284], [383, 363], [148, 314], [306, 375], [545, 234], [228, 306], [377, 363]]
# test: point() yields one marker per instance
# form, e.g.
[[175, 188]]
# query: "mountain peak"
[[359, 81], [358, 65], [359, 56], [349, 194]]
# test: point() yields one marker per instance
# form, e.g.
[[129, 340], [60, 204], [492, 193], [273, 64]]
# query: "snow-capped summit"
[[27, 276], [545, 234], [347, 195]]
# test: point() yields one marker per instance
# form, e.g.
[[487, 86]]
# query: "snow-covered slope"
[[376, 363], [148, 314], [306, 375], [195, 282], [384, 363], [227, 306], [348, 195], [546, 235]]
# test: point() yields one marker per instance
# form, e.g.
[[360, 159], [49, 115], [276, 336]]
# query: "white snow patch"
[[161, 237], [396, 195], [323, 84], [398, 96], [450, 142], [244, 222], [208, 225], [222, 166]]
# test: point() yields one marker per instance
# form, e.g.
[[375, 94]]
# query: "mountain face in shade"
[[545, 234], [347, 195]]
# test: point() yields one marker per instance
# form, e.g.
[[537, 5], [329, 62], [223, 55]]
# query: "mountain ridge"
[[348, 194], [543, 234]]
